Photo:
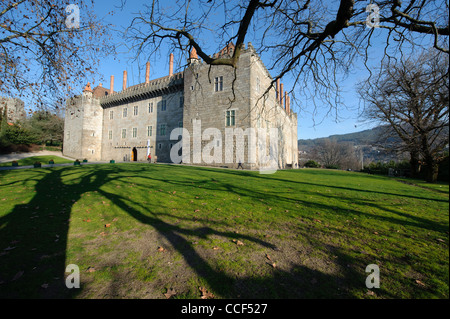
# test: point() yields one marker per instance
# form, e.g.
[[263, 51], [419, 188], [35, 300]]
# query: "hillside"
[[367, 140], [366, 137]]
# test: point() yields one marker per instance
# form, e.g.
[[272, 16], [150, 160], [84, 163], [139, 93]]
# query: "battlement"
[[164, 85]]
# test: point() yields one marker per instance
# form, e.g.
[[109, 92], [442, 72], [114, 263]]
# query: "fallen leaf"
[[268, 257], [420, 283], [87, 220], [107, 225], [370, 293], [238, 242], [90, 269], [205, 293], [274, 265], [215, 247], [115, 219], [375, 233], [45, 286], [161, 249], [170, 292]]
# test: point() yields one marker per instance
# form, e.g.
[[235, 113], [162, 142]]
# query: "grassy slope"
[[305, 233], [43, 159]]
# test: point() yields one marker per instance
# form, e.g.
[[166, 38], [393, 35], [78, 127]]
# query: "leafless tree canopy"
[[40, 56], [412, 97], [333, 154], [311, 41]]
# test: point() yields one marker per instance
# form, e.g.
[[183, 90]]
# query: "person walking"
[[240, 165], [149, 158]]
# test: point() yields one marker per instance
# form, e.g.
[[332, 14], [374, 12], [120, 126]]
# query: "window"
[[150, 107], [125, 112], [258, 84], [135, 110], [149, 130], [134, 132], [68, 135], [162, 129], [159, 146], [163, 105], [110, 135], [218, 83], [230, 118], [124, 133], [111, 115], [180, 124], [181, 101]]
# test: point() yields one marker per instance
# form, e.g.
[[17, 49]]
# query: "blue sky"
[[309, 125]]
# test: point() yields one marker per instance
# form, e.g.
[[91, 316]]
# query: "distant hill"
[[366, 137], [368, 141]]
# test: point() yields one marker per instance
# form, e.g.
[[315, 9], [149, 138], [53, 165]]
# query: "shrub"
[[312, 164]]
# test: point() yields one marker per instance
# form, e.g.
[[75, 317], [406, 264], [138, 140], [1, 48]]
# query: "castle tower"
[[83, 126]]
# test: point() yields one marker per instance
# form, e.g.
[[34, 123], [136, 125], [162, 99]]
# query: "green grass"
[[138, 230], [43, 159]]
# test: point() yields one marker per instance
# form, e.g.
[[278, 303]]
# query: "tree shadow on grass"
[[34, 239]]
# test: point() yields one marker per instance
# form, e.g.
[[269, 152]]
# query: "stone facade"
[[15, 110], [209, 103]]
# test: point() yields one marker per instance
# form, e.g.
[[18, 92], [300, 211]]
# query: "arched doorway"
[[134, 154]]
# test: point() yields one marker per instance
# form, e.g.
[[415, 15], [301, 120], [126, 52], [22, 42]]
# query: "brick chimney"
[[281, 96], [278, 89], [286, 97], [147, 73], [124, 80], [171, 65], [288, 104], [111, 86]]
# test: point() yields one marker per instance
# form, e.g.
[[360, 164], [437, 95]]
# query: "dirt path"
[[17, 156]]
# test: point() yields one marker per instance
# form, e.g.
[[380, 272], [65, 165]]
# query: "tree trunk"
[[432, 170], [414, 164]]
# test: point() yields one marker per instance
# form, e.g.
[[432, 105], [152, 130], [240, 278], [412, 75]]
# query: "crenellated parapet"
[[157, 87]]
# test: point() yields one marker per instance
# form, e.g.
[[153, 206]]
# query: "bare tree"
[[334, 154], [312, 41], [48, 48], [412, 96]]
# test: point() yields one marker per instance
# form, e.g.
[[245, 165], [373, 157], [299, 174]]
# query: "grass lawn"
[[43, 159], [141, 231]]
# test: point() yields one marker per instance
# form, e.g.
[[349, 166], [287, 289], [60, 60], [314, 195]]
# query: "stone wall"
[[83, 128], [244, 92], [15, 109]]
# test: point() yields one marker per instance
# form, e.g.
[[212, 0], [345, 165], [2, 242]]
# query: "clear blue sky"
[[309, 125]]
